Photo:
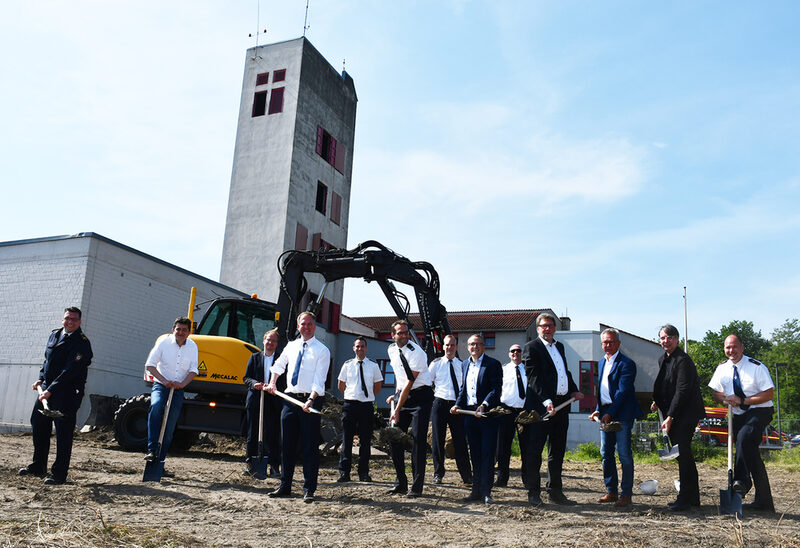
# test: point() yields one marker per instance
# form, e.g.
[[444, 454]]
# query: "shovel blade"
[[153, 471], [258, 468], [52, 413], [669, 454], [730, 502]]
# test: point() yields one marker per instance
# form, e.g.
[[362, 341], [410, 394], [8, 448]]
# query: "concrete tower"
[[292, 165]]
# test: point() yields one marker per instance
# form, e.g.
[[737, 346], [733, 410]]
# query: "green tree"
[[786, 349], [709, 352]]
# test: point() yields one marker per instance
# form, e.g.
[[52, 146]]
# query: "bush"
[[585, 452]]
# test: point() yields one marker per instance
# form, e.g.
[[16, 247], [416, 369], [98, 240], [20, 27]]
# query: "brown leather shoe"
[[623, 502], [609, 497]]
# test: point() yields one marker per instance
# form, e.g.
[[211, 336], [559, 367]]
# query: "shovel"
[[393, 434], [47, 412], [557, 408], [154, 470], [730, 502], [609, 427], [295, 401], [671, 452], [493, 412], [258, 467]]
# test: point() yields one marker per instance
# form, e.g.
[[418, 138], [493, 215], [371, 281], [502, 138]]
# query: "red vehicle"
[[714, 429]]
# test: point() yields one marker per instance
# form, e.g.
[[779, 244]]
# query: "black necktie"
[[453, 379], [520, 384], [737, 388], [406, 367], [361, 374]]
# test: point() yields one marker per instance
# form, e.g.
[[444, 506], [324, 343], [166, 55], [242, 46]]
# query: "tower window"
[[330, 149], [279, 76], [322, 197], [259, 103], [336, 208], [262, 79], [276, 101]]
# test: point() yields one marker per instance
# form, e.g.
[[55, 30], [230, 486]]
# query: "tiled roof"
[[477, 320]]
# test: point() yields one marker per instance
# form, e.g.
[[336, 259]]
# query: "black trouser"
[[42, 428], [298, 426], [272, 427], [416, 412], [552, 432], [748, 430], [482, 438], [505, 438], [680, 434], [357, 418], [441, 418]]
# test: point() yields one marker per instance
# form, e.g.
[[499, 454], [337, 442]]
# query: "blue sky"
[[589, 157]]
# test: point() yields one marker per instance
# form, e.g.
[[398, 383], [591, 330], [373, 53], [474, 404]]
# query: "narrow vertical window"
[[336, 208], [276, 101], [279, 76], [301, 238], [322, 197], [259, 103]]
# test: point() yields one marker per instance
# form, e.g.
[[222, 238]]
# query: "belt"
[[300, 395]]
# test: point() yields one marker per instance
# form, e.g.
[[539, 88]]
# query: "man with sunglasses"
[[512, 398]]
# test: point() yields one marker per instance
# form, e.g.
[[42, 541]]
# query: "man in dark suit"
[[256, 378], [549, 385], [480, 391], [62, 379], [616, 401], [677, 393]]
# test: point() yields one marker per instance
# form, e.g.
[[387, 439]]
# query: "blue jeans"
[[158, 401], [622, 441]]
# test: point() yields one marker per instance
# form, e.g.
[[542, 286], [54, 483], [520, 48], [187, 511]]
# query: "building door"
[[588, 386]]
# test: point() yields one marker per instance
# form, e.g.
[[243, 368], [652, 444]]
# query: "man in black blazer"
[[677, 393], [549, 384], [480, 391], [256, 378]]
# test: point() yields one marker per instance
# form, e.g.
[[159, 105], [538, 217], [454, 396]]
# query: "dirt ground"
[[210, 503]]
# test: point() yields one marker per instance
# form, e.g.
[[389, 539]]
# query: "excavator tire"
[[130, 423], [182, 440]]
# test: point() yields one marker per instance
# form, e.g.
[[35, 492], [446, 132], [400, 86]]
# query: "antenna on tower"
[[258, 26], [343, 64], [305, 21]]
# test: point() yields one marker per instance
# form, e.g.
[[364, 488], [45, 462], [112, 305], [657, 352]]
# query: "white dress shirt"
[[473, 368], [442, 382], [561, 367], [351, 377], [510, 394], [172, 361], [313, 367], [753, 375], [605, 393], [417, 361]]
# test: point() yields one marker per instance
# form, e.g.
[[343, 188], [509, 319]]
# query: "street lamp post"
[[778, 399]]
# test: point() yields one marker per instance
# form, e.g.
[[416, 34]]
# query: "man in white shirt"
[[305, 361], [359, 380], [412, 408], [447, 378], [172, 364], [745, 384], [512, 398]]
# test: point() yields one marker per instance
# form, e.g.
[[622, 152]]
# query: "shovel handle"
[[470, 413], [164, 421], [558, 408], [295, 401], [44, 402]]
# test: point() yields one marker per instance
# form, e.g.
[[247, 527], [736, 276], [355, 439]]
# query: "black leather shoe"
[[280, 493], [308, 497], [366, 478], [739, 487], [398, 489], [501, 482], [438, 480], [52, 480], [150, 456], [166, 474], [488, 499], [28, 471], [413, 495], [558, 497], [273, 472], [473, 497], [759, 506], [343, 478], [535, 500]]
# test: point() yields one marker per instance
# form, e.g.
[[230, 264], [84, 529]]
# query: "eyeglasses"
[[514, 351], [547, 326]]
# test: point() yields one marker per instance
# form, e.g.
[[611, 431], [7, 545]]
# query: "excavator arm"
[[372, 262]]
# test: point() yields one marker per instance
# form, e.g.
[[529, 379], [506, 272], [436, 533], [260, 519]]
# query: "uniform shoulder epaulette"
[[393, 345], [753, 360], [410, 346]]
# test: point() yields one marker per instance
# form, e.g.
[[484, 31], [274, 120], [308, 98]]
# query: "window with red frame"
[[276, 101]]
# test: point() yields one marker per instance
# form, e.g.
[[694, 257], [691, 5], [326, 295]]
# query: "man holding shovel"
[[616, 401], [172, 363], [745, 384], [60, 386]]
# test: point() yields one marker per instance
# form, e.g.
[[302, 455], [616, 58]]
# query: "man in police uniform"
[[413, 404], [513, 399], [447, 378], [745, 384], [306, 361], [62, 378], [359, 380]]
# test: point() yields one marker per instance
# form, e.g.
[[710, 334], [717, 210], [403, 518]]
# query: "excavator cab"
[[243, 319]]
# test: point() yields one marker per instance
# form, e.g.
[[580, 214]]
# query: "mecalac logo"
[[224, 377]]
